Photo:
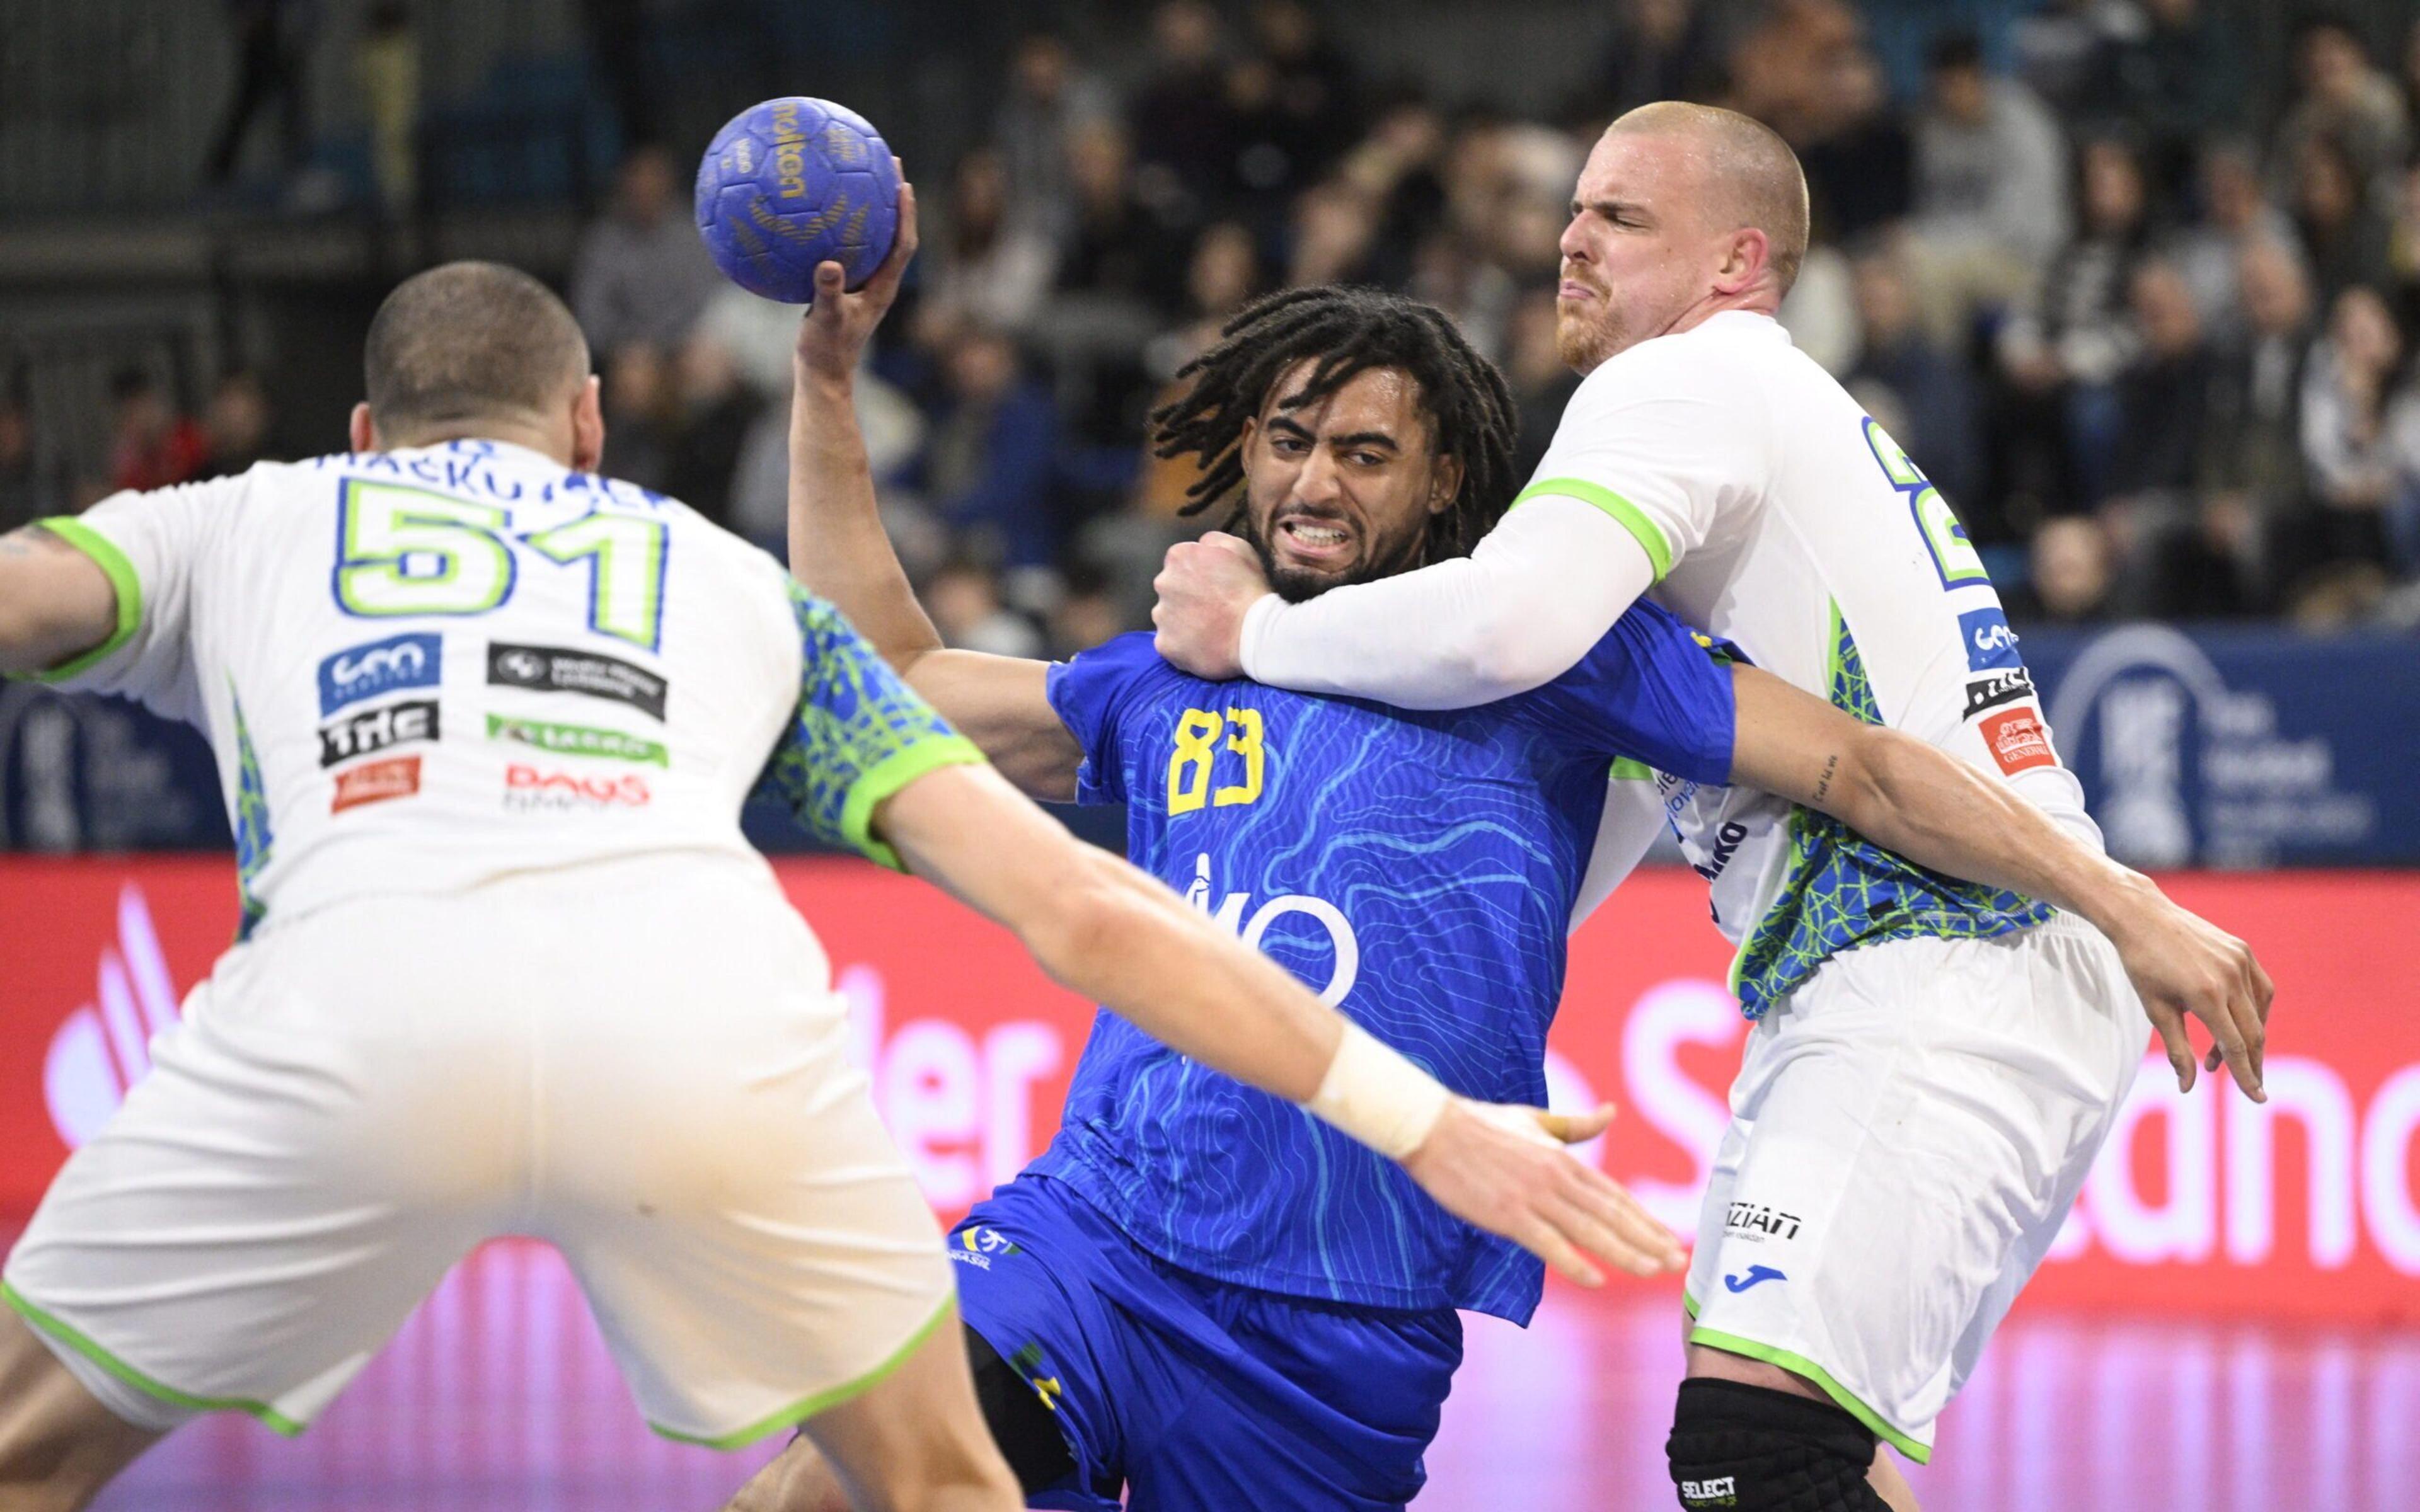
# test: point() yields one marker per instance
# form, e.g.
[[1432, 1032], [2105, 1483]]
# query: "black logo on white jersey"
[[1998, 689], [358, 734], [559, 670]]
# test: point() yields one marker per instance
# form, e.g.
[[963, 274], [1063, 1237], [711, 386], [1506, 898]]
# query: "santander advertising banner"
[[2309, 1207]]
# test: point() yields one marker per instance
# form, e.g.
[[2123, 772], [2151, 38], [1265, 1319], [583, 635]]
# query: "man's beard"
[[1584, 345], [1299, 584]]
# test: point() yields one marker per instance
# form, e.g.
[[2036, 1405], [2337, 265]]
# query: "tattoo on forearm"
[[1823, 784]]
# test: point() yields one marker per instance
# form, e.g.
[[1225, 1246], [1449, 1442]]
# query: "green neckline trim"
[[122, 580], [1659, 551], [1800, 1365], [269, 1416], [887, 776], [822, 1401]]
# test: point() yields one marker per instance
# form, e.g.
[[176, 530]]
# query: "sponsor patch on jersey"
[[559, 670], [2018, 740], [1998, 689], [1727, 845], [359, 673], [375, 729], [543, 790], [1760, 1221], [398, 776], [1990, 643], [576, 740]]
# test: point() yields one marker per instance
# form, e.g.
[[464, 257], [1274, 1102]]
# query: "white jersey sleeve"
[[1519, 612], [149, 545]]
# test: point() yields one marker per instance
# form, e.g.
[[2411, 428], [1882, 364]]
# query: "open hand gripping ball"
[[791, 183]]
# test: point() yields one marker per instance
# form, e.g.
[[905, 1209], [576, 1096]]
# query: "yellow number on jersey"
[[1197, 747]]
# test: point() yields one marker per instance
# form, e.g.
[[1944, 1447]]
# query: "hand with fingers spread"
[[2185, 966], [1206, 589], [1504, 1169], [839, 323]]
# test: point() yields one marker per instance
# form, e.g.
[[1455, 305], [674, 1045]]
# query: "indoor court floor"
[[498, 1396]]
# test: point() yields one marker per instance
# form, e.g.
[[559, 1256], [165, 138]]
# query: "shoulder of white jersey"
[[1707, 362]]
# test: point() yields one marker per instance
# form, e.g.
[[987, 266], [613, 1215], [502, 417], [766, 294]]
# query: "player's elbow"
[[1881, 777], [1504, 653]]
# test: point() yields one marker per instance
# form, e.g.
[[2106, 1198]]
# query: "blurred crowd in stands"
[[2162, 358]]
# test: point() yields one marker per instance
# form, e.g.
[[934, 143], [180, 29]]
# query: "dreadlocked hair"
[[1346, 331]]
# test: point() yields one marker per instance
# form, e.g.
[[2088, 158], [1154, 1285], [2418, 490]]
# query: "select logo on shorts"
[[359, 734], [2018, 740], [558, 670], [1998, 689], [1990, 643], [398, 776], [576, 740], [361, 672], [1755, 1220], [540, 790]]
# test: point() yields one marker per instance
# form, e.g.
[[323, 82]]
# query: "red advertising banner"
[[2309, 1207]]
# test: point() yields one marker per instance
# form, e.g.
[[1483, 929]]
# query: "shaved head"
[[1683, 212], [468, 342], [1749, 176]]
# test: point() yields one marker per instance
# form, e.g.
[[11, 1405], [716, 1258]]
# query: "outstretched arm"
[[839, 551], [1109, 931], [56, 602], [1915, 799]]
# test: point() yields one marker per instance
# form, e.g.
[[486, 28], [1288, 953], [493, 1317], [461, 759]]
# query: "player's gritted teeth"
[[1315, 541]]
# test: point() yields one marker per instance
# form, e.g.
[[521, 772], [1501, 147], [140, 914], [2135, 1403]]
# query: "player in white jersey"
[[1933, 1064], [485, 722]]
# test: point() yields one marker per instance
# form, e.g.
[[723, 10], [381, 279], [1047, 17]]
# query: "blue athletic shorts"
[[1194, 1394]]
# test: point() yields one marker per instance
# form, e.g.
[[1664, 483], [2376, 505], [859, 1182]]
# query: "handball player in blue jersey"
[[1197, 1297]]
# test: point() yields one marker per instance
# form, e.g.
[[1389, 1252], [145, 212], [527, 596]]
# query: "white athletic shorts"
[[637, 1061], [1908, 1131]]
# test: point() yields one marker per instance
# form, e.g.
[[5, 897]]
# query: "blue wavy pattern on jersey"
[[1453, 844], [854, 714], [253, 838], [1842, 890]]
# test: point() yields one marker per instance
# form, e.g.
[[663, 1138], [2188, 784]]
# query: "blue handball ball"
[[791, 183]]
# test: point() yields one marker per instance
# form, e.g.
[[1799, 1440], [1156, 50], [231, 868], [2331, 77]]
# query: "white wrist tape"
[[1256, 624], [1372, 1093]]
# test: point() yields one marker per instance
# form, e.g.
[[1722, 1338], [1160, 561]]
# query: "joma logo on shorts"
[[1714, 1493], [1756, 1218]]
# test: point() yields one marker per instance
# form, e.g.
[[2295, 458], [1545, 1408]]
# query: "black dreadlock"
[[1347, 332]]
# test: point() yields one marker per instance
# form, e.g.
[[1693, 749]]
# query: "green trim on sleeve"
[[887, 776], [1799, 1365], [121, 573], [822, 1401], [1627, 515], [269, 1416], [1626, 771]]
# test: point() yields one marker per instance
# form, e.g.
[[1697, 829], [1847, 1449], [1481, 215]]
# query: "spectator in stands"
[[2343, 234], [2234, 215], [2187, 560], [150, 444], [2251, 466], [1540, 383], [1335, 231], [2175, 81], [27, 493], [1050, 99], [1317, 101], [1858, 155], [1659, 50], [1900, 362], [641, 416], [2071, 573], [991, 265], [1183, 122], [272, 40], [1991, 189], [1118, 246], [2403, 248], [2402, 513], [2346, 453], [235, 425], [642, 274], [2059, 355], [2343, 96], [713, 412], [964, 600], [1086, 614], [986, 466], [386, 70], [1221, 275]]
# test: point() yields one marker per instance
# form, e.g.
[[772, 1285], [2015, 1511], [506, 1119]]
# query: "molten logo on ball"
[[792, 183]]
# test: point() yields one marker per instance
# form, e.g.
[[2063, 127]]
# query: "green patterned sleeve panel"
[[1841, 890], [859, 735]]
